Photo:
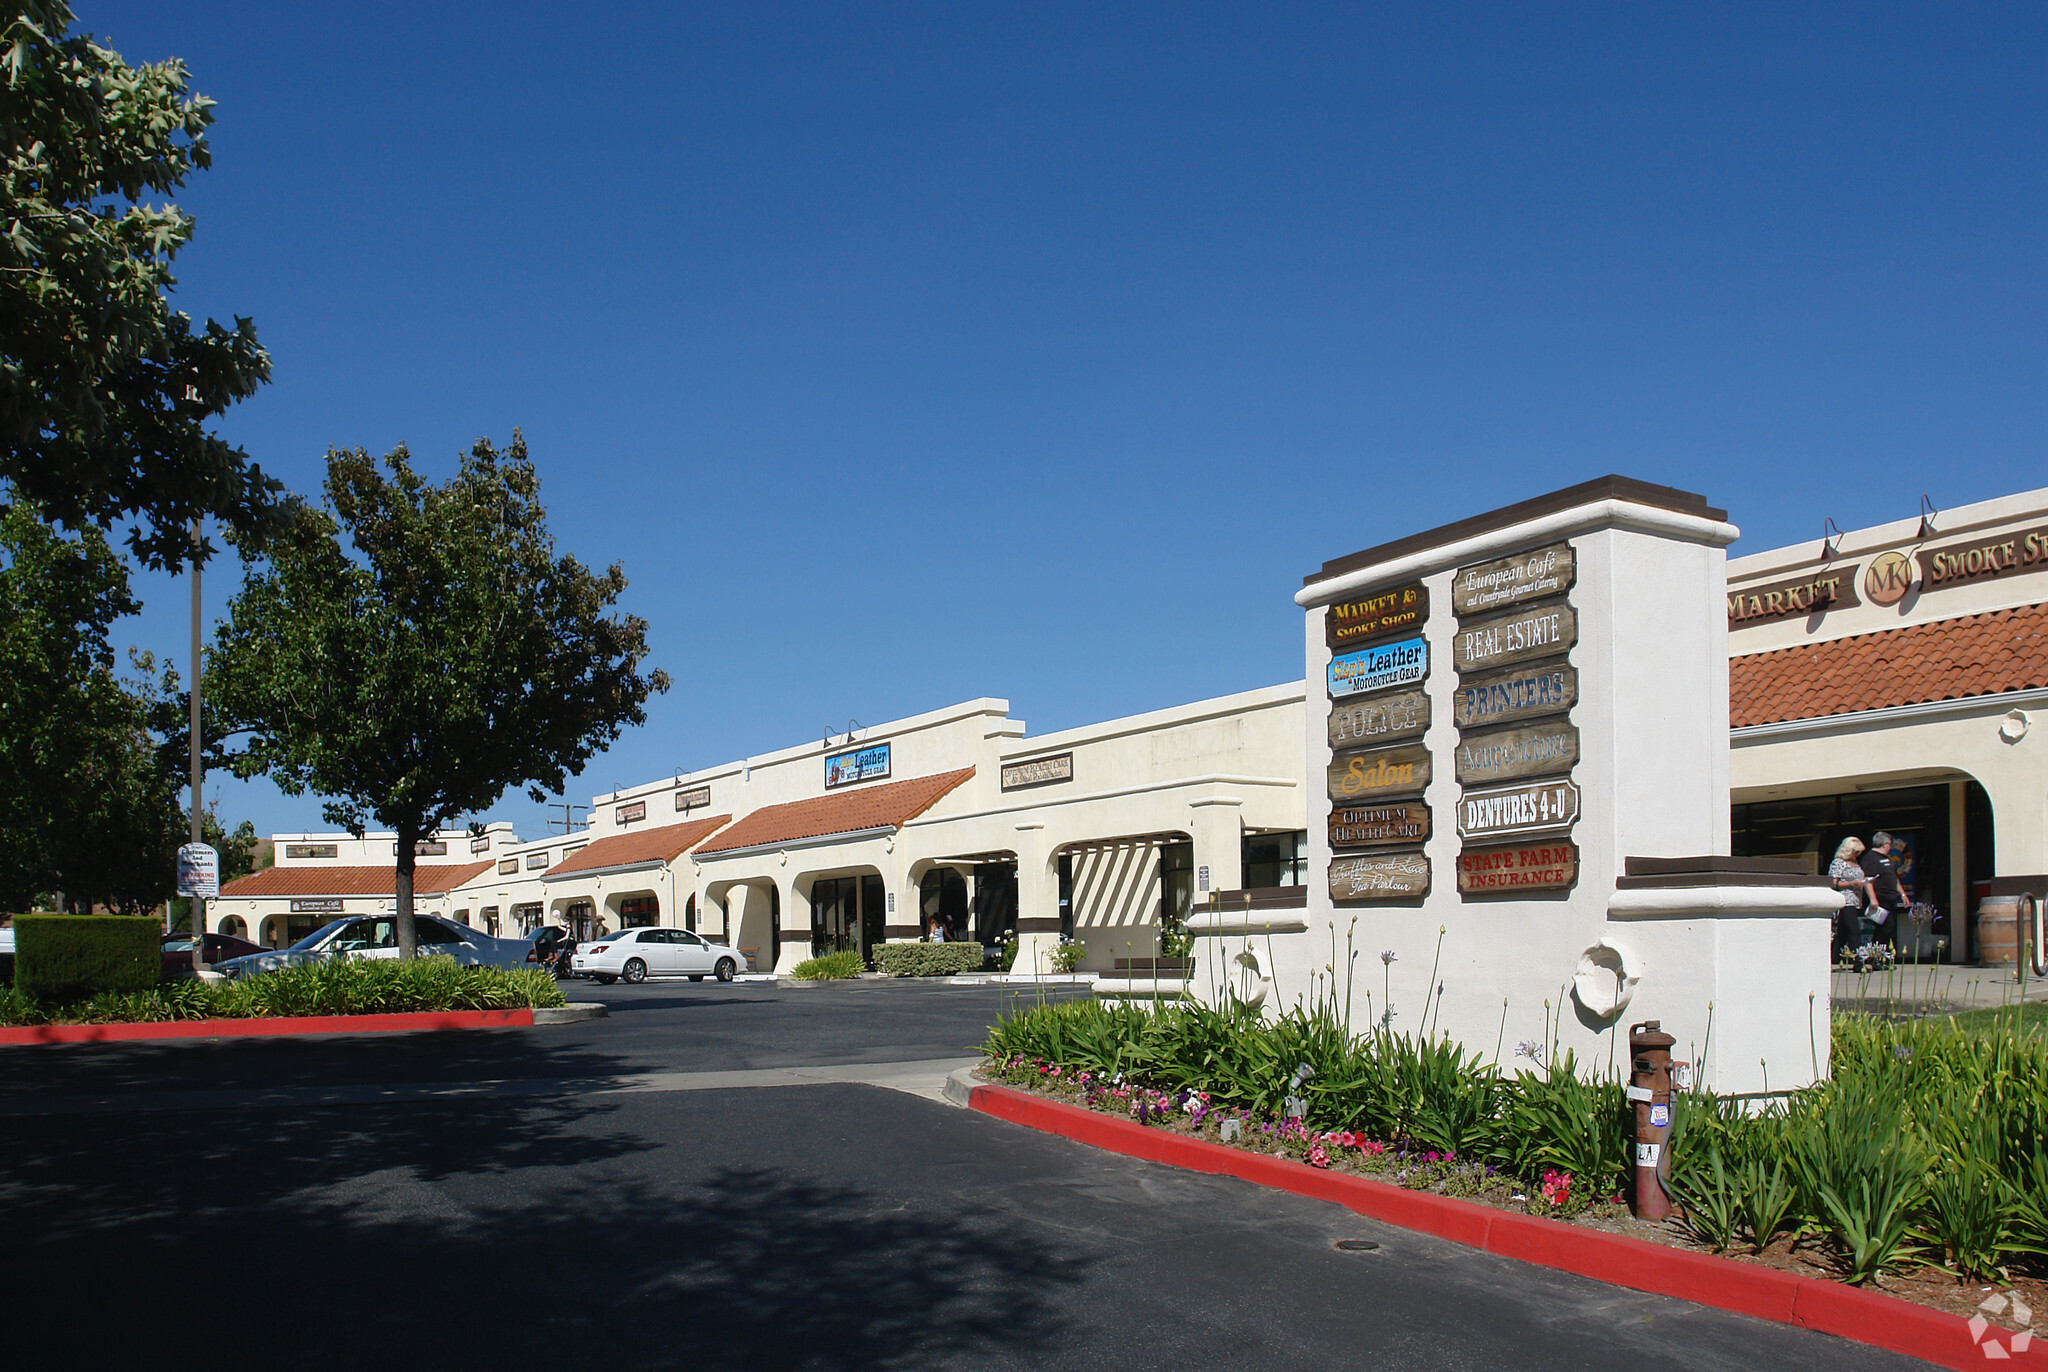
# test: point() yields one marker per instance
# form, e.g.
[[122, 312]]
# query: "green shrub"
[[831, 967], [928, 959], [71, 957], [1066, 957], [337, 987]]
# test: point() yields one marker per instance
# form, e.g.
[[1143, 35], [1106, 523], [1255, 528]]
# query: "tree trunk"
[[408, 858]]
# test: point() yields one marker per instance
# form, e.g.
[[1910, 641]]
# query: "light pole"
[[198, 773]]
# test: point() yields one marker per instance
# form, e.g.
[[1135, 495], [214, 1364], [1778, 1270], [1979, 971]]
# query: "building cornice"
[[1921, 711]]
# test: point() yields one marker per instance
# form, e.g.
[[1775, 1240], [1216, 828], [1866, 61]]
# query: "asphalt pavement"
[[592, 1195]]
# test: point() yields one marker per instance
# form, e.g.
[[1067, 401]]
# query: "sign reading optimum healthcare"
[[864, 764], [1516, 742], [1379, 767]]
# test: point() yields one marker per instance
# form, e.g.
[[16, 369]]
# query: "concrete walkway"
[[1934, 989]]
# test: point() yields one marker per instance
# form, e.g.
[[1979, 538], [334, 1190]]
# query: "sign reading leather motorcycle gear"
[[1378, 718], [1378, 826], [1404, 662], [1379, 876], [1351, 622], [1394, 771]]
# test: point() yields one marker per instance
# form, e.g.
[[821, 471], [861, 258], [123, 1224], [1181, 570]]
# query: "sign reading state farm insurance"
[[1545, 631], [1550, 866], [1351, 622], [1404, 662], [1507, 581]]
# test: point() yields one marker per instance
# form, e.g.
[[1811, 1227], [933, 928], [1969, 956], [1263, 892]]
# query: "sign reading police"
[[1378, 719]]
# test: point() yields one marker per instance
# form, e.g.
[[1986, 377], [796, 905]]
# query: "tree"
[[442, 657], [88, 808], [105, 391]]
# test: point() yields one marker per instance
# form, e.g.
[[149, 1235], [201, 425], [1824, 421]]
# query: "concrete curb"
[[574, 1011], [266, 1028], [960, 1084], [1805, 1302]]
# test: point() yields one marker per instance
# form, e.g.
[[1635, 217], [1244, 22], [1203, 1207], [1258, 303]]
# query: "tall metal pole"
[[198, 775]]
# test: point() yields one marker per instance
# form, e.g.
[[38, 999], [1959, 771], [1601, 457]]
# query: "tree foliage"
[[88, 806], [105, 391], [413, 651]]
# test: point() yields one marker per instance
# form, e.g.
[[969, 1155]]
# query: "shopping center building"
[[1884, 678]]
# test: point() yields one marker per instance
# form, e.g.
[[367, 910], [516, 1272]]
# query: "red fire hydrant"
[[1649, 1090]]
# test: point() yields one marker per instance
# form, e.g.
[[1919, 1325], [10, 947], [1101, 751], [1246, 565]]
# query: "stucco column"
[[796, 923], [1219, 844], [1038, 903]]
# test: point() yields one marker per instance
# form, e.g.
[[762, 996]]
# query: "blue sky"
[[905, 354]]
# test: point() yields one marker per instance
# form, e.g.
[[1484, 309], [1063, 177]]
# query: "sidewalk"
[[1934, 989]]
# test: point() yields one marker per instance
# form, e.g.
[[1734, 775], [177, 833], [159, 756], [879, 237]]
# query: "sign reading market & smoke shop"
[[1351, 622]]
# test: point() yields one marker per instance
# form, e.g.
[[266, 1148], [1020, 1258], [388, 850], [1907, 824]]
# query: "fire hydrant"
[[1649, 1090]]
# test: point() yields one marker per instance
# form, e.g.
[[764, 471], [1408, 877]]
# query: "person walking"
[[938, 931], [1853, 929], [1889, 899]]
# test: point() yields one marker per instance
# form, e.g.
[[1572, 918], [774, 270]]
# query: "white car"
[[376, 936], [637, 954]]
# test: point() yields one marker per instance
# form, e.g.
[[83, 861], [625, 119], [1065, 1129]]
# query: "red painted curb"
[[1826, 1307], [267, 1028]]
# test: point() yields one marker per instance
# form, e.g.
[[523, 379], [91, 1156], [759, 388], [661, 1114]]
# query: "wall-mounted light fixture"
[[1830, 539], [1927, 514]]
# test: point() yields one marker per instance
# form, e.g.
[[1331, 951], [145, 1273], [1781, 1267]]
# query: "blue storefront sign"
[[864, 764], [1402, 663]]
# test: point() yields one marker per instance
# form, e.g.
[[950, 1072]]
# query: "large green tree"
[[412, 651], [88, 805], [105, 390]]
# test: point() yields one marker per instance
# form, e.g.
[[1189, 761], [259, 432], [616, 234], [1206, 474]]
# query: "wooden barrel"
[[1998, 931]]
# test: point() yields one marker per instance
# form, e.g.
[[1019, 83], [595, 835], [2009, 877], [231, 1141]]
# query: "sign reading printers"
[[864, 764], [1402, 663]]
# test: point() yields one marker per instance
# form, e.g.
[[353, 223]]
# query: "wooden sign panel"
[[1547, 688], [1496, 813], [1378, 718], [1379, 876], [1547, 749], [1551, 866], [1378, 826], [1362, 777], [1509, 581], [1545, 630], [1352, 622], [1404, 662]]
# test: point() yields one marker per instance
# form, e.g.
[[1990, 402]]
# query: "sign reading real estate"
[[1510, 754], [1378, 826], [1379, 876], [1352, 622], [1040, 771], [1482, 702], [1378, 718], [1546, 630], [1504, 812], [1509, 581], [1404, 662], [863, 764], [1400, 770], [1523, 867]]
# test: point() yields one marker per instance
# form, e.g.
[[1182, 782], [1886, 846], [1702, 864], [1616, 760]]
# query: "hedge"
[[71, 957], [831, 967], [928, 959]]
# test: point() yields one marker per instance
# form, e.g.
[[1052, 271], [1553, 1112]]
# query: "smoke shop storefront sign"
[[1352, 622]]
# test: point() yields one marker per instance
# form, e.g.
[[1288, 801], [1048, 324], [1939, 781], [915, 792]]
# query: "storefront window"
[[1275, 859], [527, 917], [635, 911]]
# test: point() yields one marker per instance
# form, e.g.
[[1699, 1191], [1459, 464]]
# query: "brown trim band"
[[900, 931], [803, 936], [1039, 926], [1586, 492]]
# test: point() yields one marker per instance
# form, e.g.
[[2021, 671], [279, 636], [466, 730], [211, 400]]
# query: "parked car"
[[376, 936], [177, 952], [637, 954]]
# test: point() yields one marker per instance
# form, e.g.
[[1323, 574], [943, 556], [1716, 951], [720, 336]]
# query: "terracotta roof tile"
[[892, 804], [349, 881], [665, 844], [1976, 655]]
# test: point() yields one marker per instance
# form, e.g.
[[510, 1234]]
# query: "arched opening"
[[690, 913], [942, 895], [267, 932], [233, 927]]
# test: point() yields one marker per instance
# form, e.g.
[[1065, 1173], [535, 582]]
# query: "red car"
[[219, 948]]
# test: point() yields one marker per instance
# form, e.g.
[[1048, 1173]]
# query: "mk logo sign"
[[1888, 577]]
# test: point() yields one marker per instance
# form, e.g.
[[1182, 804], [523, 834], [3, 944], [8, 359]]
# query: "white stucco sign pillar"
[[1521, 725]]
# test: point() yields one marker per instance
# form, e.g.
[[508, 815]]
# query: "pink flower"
[[1317, 1157]]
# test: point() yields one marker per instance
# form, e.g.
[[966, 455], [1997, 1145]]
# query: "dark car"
[[219, 948]]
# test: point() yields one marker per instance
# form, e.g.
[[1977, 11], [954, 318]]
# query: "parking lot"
[[588, 1195]]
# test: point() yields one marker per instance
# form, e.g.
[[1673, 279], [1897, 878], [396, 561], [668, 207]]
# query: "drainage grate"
[[1356, 1245]]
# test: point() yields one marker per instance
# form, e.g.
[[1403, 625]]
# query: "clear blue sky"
[[906, 354]]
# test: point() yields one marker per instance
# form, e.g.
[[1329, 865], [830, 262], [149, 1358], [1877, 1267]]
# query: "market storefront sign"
[[1379, 876], [1378, 719], [1539, 807], [1980, 561], [1834, 589], [865, 764], [1382, 772], [1545, 631], [1888, 577], [1041, 771], [1351, 622], [1510, 581], [1402, 663], [1511, 754], [1551, 866], [1521, 693], [1377, 826]]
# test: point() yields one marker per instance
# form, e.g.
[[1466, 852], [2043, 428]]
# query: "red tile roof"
[[890, 805], [646, 845], [2004, 650], [349, 881]]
